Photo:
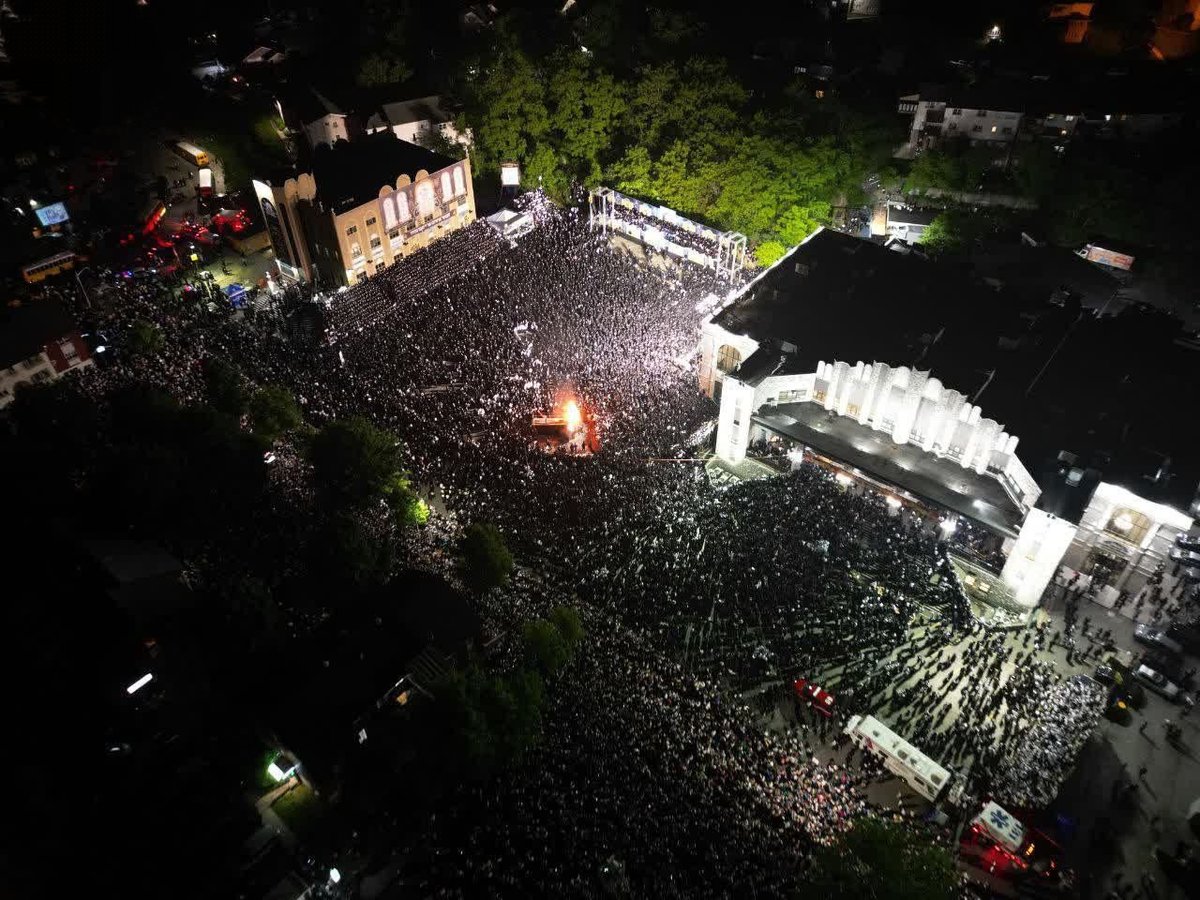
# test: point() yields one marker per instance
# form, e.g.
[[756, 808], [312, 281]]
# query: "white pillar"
[[1035, 557], [733, 422]]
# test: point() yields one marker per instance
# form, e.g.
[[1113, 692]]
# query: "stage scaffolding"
[[660, 228]]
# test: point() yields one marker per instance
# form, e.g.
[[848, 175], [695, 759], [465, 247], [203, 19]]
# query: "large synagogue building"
[[905, 375]]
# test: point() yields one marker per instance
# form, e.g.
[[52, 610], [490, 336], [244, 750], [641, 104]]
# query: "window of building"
[[1128, 524], [1007, 130], [976, 128], [355, 250], [459, 185], [981, 113], [994, 129], [1069, 118], [728, 359], [426, 201], [351, 231], [956, 112], [394, 233], [446, 192], [371, 221], [376, 243]]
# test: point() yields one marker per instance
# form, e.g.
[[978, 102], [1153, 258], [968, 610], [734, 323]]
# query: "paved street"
[[1100, 835]]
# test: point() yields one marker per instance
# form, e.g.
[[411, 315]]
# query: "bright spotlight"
[[139, 684]]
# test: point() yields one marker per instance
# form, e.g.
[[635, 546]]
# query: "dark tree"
[[882, 860], [224, 387], [144, 339], [485, 560], [353, 461], [274, 411], [545, 646]]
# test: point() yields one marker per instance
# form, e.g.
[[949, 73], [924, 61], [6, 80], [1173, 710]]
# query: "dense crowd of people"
[[1030, 776], [650, 769]]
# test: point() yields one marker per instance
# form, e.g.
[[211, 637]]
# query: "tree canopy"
[[353, 461], [680, 130], [882, 860], [274, 411], [485, 561]]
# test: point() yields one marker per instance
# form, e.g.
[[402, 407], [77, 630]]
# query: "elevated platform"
[[941, 482]]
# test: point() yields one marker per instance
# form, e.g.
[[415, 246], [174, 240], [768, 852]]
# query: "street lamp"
[[79, 281]]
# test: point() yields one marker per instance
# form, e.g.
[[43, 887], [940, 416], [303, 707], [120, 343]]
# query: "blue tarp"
[[237, 295]]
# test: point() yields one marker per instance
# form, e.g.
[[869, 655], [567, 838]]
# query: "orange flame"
[[573, 416]]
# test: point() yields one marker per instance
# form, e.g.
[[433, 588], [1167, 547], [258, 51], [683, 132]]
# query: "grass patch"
[[300, 809]]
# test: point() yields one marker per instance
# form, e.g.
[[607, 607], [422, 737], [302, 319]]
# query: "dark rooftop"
[[26, 329], [1146, 91], [1055, 376], [838, 297], [1040, 271], [908, 215], [350, 173]]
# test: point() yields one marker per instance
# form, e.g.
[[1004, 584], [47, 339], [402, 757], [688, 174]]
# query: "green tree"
[[881, 860], [545, 646], [488, 721], [585, 108], [566, 620], [344, 553], [224, 387], [433, 139], [381, 69], [406, 505], [353, 461], [485, 561], [942, 235], [274, 411], [507, 110], [145, 339], [768, 252]]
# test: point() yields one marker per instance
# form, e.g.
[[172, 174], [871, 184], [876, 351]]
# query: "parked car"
[[1156, 637], [1190, 542], [1188, 558], [1157, 682]]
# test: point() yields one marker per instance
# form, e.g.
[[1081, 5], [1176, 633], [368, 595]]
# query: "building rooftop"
[[1041, 271], [405, 112], [1052, 375], [26, 329], [350, 173], [1144, 91], [909, 215], [837, 297]]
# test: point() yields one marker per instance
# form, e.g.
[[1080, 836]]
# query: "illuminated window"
[[426, 201], [993, 129], [446, 193], [1129, 525], [459, 185], [728, 359]]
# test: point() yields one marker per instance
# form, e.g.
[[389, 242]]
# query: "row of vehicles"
[[996, 840]]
